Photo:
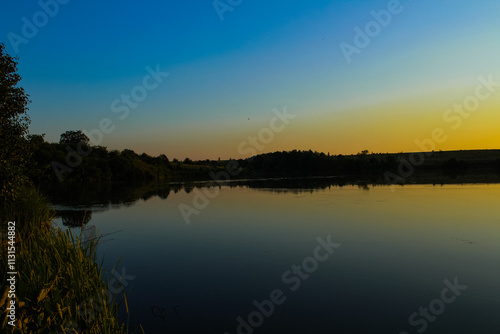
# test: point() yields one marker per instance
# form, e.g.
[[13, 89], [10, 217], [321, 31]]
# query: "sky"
[[230, 78]]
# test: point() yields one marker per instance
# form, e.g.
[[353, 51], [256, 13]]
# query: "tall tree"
[[14, 121], [74, 137]]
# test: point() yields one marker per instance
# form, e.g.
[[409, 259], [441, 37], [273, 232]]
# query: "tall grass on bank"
[[59, 286], [31, 212]]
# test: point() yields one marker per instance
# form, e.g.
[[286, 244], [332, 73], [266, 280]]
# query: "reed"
[[60, 286]]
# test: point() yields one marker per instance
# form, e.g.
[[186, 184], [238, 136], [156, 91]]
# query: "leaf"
[[4, 297], [40, 318], [43, 294]]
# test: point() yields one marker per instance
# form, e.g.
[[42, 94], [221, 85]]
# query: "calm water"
[[397, 252]]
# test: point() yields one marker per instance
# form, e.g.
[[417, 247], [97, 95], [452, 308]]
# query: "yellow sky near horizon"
[[391, 126]]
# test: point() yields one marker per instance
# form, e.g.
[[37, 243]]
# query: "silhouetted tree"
[[74, 137], [15, 149]]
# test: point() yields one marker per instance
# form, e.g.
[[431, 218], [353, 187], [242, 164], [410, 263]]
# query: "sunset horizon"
[[358, 76]]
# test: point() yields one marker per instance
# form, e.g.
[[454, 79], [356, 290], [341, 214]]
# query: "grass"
[[59, 286], [31, 211]]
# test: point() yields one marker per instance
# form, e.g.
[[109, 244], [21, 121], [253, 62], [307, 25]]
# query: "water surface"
[[397, 247]]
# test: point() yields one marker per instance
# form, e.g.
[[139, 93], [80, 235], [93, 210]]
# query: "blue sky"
[[263, 55]]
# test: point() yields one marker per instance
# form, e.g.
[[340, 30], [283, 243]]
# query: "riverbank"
[[55, 275]]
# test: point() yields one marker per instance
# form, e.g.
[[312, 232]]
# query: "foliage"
[[15, 148], [31, 212], [74, 138], [101, 165], [56, 272], [306, 163], [61, 288], [60, 283]]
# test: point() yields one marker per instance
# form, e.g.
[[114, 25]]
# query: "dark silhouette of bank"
[[74, 161]]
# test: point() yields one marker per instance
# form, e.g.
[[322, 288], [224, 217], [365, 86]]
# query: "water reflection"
[[74, 218], [397, 248], [83, 199]]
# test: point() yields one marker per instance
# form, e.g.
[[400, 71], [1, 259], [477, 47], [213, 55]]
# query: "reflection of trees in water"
[[163, 193], [103, 197], [74, 218], [106, 195], [363, 186], [297, 185]]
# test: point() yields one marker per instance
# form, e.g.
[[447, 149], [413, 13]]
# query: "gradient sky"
[[226, 77]]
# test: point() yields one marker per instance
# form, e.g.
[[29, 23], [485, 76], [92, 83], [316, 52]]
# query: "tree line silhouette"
[[103, 165]]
